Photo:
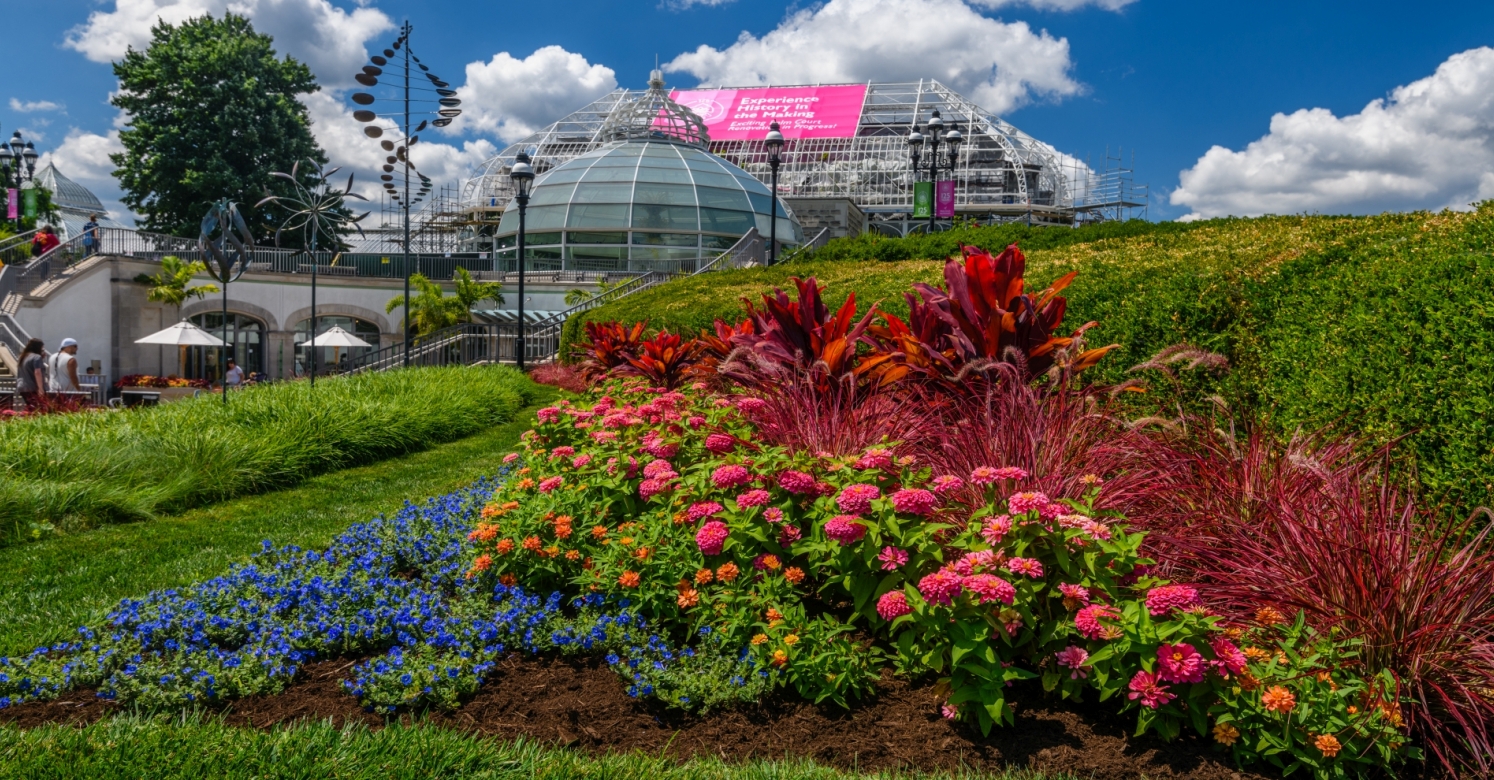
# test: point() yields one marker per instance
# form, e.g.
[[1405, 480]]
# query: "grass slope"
[[1382, 325], [196, 748], [82, 469], [58, 584]]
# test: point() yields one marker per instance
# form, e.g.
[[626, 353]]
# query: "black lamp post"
[[18, 164], [936, 136], [936, 132], [774, 142], [523, 178]]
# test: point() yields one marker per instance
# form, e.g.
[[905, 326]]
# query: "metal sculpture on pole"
[[395, 68], [226, 257], [316, 208]]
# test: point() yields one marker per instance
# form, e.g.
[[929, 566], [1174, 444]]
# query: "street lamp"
[[523, 178], [774, 142], [18, 166], [936, 136]]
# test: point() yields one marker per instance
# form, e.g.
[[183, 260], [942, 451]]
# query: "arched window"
[[246, 334], [331, 357]]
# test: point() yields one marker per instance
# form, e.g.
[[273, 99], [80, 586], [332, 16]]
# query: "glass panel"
[[664, 194], [535, 239], [509, 240], [596, 252], [762, 224], [545, 217], [626, 150], [608, 174], [665, 217], [598, 216], [668, 175], [666, 239], [725, 221], [542, 252], [718, 242], [507, 254], [706, 164], [723, 199], [660, 150], [616, 161], [618, 237], [663, 253], [603, 193], [509, 222], [750, 184], [561, 177], [708, 179], [759, 202], [549, 196], [788, 232]]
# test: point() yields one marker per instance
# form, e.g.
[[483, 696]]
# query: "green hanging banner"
[[28, 202], [923, 200]]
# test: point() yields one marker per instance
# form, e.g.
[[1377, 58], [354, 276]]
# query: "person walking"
[[62, 369], [44, 241], [31, 385], [234, 376], [91, 236]]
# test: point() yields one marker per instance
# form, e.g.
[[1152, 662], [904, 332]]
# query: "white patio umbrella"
[[183, 334], [337, 337]]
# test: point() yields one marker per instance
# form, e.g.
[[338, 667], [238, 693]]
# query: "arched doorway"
[[246, 334], [331, 357]]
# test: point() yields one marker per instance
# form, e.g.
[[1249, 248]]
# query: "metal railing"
[[16, 248]]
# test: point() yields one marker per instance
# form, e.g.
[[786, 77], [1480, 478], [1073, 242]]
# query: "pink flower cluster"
[[893, 558], [753, 498], [549, 485], [656, 447], [788, 535], [649, 488], [845, 529], [751, 405], [549, 414], [1167, 598], [659, 469], [701, 510], [893, 605], [562, 452], [985, 475], [875, 458], [1146, 689], [1087, 620], [948, 483], [1030, 567], [796, 482], [941, 587], [1180, 663], [727, 477], [989, 587], [711, 537], [580, 461], [1022, 503], [1078, 593], [720, 443], [1073, 657], [856, 499], [996, 529], [1228, 658], [511, 457], [914, 502], [972, 563], [773, 514], [695, 422]]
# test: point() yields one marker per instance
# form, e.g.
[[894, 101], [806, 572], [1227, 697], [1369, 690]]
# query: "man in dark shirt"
[[91, 235]]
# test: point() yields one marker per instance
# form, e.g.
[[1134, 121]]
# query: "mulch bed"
[[583, 704]]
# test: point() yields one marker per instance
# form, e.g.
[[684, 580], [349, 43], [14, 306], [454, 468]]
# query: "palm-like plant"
[[170, 285], [470, 292], [430, 309]]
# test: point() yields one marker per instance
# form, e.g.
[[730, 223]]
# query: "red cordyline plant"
[[717, 346], [1314, 525], [663, 360], [982, 317], [608, 345], [796, 338]]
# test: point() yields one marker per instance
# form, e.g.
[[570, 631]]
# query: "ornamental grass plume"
[[846, 420]]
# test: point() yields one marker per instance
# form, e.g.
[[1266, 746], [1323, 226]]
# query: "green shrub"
[[76, 469]]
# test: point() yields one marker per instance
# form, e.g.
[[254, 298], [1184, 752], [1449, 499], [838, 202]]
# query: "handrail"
[[820, 239]]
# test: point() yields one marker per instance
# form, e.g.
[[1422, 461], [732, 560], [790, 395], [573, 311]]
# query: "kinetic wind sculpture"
[[395, 68], [316, 209], [226, 258]]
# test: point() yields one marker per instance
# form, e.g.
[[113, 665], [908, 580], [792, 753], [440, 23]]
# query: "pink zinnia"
[[1180, 663], [845, 529], [983, 475], [796, 482], [649, 488], [824, 489], [893, 558], [773, 514], [1030, 567], [601, 437], [1073, 657], [548, 485], [1076, 592], [875, 458], [728, 477], [695, 421], [753, 498], [893, 605], [720, 443], [856, 499], [989, 588], [1098, 530], [788, 535], [1022, 503], [562, 452], [1011, 472], [970, 562], [941, 587], [1087, 620], [548, 414], [659, 449], [657, 469], [949, 711], [996, 529], [1163, 600], [511, 457], [580, 461], [947, 483], [1144, 687], [751, 405], [702, 509], [711, 537], [1228, 657], [914, 502]]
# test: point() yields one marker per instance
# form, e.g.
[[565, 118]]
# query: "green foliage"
[[169, 286], [431, 309], [469, 293], [1379, 325], [212, 112], [91, 467]]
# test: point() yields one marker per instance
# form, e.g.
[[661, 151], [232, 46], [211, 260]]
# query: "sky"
[[1223, 108]]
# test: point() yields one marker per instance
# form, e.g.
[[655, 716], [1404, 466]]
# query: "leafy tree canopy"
[[212, 112]]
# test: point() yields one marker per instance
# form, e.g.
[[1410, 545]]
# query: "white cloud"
[[1056, 5], [1429, 145], [510, 97], [32, 106], [327, 38], [999, 65]]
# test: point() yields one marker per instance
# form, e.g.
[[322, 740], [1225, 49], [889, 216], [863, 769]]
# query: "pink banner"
[[944, 196], [12, 204], [801, 112]]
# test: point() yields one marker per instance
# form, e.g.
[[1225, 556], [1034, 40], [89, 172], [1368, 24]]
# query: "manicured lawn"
[[194, 748], [56, 585]]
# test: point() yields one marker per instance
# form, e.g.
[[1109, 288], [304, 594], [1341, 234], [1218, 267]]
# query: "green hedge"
[[77, 469], [1379, 325]]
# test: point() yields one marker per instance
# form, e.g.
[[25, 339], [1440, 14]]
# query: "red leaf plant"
[[1315, 525], [799, 415], [663, 360], [981, 318], [791, 337], [717, 347], [608, 346]]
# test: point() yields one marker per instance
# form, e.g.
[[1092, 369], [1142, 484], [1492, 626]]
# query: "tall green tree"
[[213, 111]]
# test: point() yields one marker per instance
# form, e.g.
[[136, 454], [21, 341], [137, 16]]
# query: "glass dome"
[[636, 201]]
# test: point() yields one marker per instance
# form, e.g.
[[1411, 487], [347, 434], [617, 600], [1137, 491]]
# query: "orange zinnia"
[[598, 531], [704, 576], [505, 546], [532, 543], [1278, 699], [728, 572], [573, 555], [509, 580], [779, 658], [794, 574], [688, 598], [483, 562], [629, 579], [1328, 745]]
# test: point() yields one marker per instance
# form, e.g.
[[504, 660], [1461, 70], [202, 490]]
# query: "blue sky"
[[1165, 80]]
